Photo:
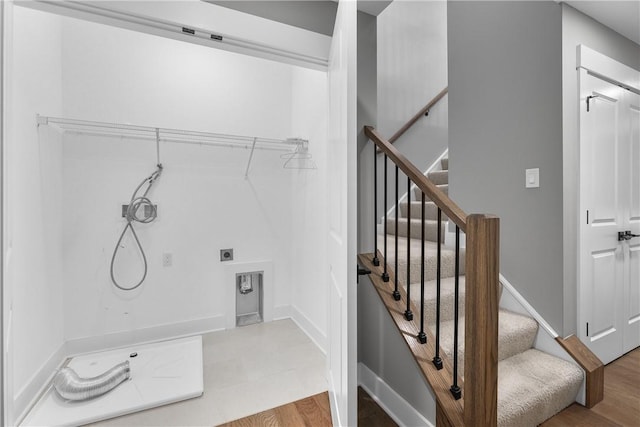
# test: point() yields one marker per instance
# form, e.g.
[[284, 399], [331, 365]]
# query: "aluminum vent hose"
[[71, 386], [150, 212]]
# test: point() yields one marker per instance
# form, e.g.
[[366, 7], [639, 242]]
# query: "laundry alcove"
[[208, 198]]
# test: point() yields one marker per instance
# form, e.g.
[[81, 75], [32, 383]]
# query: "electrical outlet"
[[167, 260]]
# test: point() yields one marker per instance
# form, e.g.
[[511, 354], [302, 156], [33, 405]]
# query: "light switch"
[[532, 177]]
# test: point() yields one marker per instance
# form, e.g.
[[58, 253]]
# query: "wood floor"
[[314, 411], [620, 407], [309, 412], [621, 403]]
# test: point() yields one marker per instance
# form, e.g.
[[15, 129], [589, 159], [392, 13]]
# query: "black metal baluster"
[[422, 337], [376, 261], [455, 390], [407, 313], [396, 294], [385, 274], [437, 361]]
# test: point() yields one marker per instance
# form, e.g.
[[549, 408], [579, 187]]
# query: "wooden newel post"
[[481, 321]]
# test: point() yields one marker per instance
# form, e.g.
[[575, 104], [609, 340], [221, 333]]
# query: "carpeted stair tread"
[[418, 193], [533, 386], [430, 261], [430, 210], [439, 177], [516, 333], [447, 289], [444, 163], [415, 229]]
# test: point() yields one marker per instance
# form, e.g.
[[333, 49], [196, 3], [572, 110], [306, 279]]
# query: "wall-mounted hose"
[[71, 386], [137, 203]]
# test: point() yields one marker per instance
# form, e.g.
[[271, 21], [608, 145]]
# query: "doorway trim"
[[605, 68]]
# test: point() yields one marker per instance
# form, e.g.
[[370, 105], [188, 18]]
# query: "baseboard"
[[155, 333], [393, 404], [282, 312], [309, 328], [39, 381]]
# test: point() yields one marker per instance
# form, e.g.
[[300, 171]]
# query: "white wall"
[[34, 184], [119, 75], [412, 69], [204, 201], [578, 28], [309, 193]]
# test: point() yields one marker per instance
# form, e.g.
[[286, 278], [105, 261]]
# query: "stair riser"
[[439, 177], [512, 339], [447, 301], [444, 163], [430, 211], [430, 263], [415, 230], [417, 193]]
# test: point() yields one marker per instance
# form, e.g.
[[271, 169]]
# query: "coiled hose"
[[132, 216]]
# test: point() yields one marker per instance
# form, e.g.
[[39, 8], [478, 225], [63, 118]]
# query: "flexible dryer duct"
[[70, 386]]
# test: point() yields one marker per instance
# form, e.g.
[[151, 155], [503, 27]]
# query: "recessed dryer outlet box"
[[226, 255]]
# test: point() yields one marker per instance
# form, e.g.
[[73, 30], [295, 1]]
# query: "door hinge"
[[587, 216], [587, 328]]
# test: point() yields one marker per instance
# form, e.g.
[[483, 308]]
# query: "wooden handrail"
[[480, 404], [418, 115], [436, 195]]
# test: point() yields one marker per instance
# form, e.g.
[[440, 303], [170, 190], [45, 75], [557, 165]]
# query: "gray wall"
[[412, 69], [578, 28], [383, 350], [367, 115], [505, 115]]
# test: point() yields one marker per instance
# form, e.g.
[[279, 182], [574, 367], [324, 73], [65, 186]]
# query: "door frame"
[[5, 47], [605, 68], [342, 343]]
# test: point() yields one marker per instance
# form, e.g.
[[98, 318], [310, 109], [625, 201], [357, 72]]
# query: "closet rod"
[[167, 134]]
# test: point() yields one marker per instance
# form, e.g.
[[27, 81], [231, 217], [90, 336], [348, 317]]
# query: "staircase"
[[532, 385]]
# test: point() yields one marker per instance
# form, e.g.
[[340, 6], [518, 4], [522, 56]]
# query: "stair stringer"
[[546, 336]]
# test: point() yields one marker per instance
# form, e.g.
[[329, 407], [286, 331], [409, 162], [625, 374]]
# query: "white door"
[[341, 238], [609, 161], [631, 247]]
